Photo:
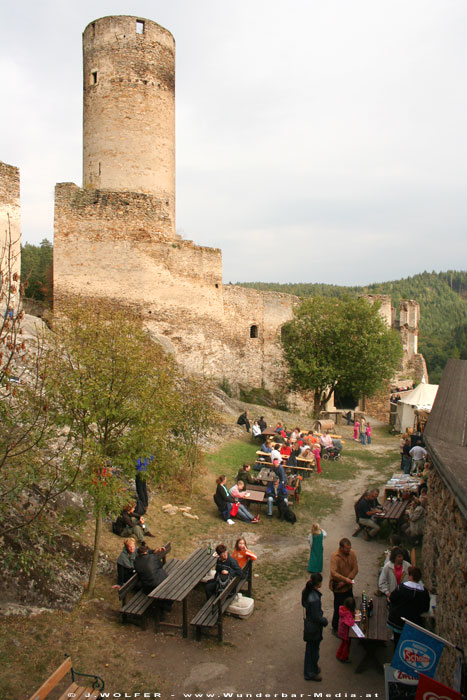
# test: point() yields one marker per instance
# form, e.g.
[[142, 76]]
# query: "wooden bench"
[[213, 610], [135, 610], [79, 692]]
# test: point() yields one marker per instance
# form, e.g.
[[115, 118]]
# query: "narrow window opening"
[[139, 26], [217, 285], [100, 169], [253, 331], [94, 77]]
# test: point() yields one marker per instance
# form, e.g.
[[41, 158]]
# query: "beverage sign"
[[417, 652], [429, 689], [398, 685]]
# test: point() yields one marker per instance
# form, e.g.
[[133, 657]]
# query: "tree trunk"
[[95, 554], [316, 404]]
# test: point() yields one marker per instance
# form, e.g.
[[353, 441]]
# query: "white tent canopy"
[[420, 398]]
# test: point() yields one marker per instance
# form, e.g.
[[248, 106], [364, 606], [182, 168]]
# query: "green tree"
[[115, 392], [341, 343], [36, 271]]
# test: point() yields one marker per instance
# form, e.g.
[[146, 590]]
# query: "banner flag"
[[429, 689], [417, 651]]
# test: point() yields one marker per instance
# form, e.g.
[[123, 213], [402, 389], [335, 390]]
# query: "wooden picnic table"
[[254, 496], [179, 583], [376, 633], [393, 511]]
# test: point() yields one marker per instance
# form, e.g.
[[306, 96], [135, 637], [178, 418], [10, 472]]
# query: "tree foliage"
[[115, 391], [36, 271], [443, 308], [339, 343]]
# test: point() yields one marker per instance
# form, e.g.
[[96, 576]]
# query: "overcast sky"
[[317, 141]]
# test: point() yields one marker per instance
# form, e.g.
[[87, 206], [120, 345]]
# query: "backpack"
[[222, 581], [118, 526]]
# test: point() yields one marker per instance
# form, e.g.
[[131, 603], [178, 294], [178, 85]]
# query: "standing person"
[[418, 454], [394, 572], [315, 538], [406, 458], [368, 433], [346, 621], [313, 627], [409, 600], [404, 437], [363, 431], [356, 428], [142, 501], [343, 569], [317, 456], [244, 420]]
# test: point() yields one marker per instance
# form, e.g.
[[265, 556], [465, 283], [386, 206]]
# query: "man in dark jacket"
[[408, 600], [148, 566], [275, 490], [313, 629], [226, 566], [243, 420]]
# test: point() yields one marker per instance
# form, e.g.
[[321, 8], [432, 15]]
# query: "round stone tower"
[[129, 109]]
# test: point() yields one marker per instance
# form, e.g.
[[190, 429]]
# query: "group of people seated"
[[258, 425], [228, 566], [368, 507]]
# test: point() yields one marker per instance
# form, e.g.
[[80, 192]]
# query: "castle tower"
[[129, 109]]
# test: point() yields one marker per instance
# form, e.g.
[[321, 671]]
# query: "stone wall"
[[10, 221], [109, 245], [444, 556]]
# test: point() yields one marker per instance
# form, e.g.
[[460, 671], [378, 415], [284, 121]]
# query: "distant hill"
[[443, 309]]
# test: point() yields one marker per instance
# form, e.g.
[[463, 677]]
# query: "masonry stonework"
[[10, 221], [445, 569]]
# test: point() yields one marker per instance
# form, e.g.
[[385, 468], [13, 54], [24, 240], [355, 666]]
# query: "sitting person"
[[129, 524], [296, 452], [148, 566], [255, 429], [241, 553], [226, 566], [262, 423], [325, 440], [126, 562], [275, 454], [365, 510], [275, 490], [238, 490], [409, 600], [286, 449], [394, 572], [227, 504], [245, 475], [415, 524], [266, 446], [279, 428], [243, 420], [279, 470]]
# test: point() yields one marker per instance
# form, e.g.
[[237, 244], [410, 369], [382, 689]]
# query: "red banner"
[[429, 689]]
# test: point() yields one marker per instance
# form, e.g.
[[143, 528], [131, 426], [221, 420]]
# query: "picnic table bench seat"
[[134, 610], [79, 692], [213, 610]]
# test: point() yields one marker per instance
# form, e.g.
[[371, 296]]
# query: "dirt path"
[[265, 653]]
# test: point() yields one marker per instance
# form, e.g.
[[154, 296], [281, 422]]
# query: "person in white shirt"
[[418, 454]]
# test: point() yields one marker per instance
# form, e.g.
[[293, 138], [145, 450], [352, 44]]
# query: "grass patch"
[[231, 456]]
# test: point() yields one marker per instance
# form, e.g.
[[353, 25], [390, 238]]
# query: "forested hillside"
[[443, 309]]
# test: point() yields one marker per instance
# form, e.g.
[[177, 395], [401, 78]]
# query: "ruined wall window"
[[253, 331], [139, 26], [94, 77], [217, 285]]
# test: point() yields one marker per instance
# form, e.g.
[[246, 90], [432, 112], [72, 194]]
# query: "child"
[[368, 433], [356, 428], [346, 621], [317, 456], [315, 538]]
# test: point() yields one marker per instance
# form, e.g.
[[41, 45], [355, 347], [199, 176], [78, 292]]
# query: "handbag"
[[234, 510]]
